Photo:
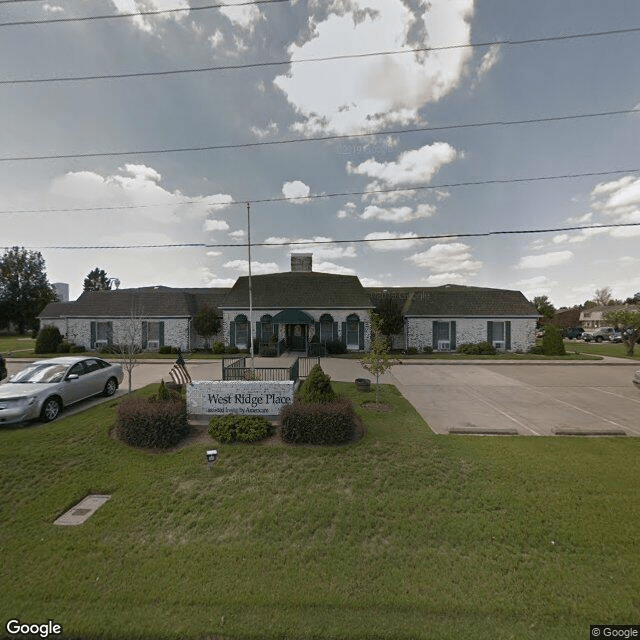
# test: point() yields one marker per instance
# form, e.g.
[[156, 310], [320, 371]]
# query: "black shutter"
[[317, 329], [259, 331], [434, 335], [344, 332], [335, 332], [93, 336], [507, 335], [145, 334], [161, 334], [490, 332], [232, 333], [361, 336], [452, 336], [110, 333]]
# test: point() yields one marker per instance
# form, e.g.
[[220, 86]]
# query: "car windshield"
[[41, 373]]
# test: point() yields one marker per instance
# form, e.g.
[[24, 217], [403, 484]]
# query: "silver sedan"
[[636, 378], [44, 388]]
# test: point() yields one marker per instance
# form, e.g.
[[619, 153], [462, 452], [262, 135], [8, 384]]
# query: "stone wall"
[[473, 330]]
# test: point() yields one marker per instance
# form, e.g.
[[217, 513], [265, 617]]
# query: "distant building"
[[62, 291], [594, 318]]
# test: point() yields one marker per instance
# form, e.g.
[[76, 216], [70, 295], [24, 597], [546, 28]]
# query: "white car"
[[44, 388], [636, 378]]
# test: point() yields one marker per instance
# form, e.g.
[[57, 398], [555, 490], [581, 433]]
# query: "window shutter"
[[232, 333], [344, 332], [434, 335], [259, 331], [490, 332], [452, 335], [93, 335], [361, 336], [317, 326], [507, 335], [110, 333], [145, 333], [275, 331], [161, 334], [335, 332]]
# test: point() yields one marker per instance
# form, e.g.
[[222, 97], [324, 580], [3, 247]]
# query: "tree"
[[377, 360], [24, 288], [602, 297], [97, 280], [552, 343], [389, 311], [629, 324], [207, 323], [544, 307], [634, 300], [129, 347]]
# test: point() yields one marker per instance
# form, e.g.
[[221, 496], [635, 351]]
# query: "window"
[[103, 329], [326, 328], [353, 335], [442, 331], [498, 331], [91, 365], [266, 328], [241, 325], [153, 331]]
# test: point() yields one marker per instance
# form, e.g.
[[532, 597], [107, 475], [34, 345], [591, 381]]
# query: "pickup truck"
[[599, 335]]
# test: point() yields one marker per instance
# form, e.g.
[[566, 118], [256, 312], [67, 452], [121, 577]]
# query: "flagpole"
[[250, 291]]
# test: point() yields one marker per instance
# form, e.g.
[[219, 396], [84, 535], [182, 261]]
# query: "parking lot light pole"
[[250, 291]]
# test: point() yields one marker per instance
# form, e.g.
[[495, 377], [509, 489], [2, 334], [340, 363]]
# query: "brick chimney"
[[302, 262]]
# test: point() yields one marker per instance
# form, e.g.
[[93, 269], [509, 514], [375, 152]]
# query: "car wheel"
[[111, 387], [599, 339], [50, 410]]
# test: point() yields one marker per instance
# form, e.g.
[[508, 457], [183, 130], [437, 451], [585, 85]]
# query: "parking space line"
[[617, 395], [506, 415]]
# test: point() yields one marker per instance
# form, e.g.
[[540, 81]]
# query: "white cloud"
[[246, 17], [269, 130], [217, 39], [320, 251], [295, 190], [215, 225], [371, 282], [213, 254], [237, 234], [347, 211], [445, 278], [330, 267], [536, 286], [544, 260], [453, 257], [149, 24], [397, 214], [257, 268], [411, 167], [489, 59], [52, 8], [386, 241], [374, 92]]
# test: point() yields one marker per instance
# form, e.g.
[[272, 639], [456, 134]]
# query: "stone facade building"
[[293, 311]]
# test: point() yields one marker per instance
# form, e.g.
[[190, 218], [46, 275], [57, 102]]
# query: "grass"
[[613, 349], [19, 346], [403, 534]]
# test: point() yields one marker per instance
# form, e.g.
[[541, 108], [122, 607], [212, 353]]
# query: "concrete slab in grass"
[[82, 511]]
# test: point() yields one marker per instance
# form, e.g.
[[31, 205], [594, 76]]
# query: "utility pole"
[[250, 290]]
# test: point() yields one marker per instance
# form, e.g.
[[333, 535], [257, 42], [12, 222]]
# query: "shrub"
[[477, 349], [218, 347], [167, 349], [318, 423], [235, 428], [537, 350], [317, 387], [427, 348], [64, 347], [335, 347], [552, 343], [48, 340], [76, 348], [231, 349], [411, 351], [153, 423]]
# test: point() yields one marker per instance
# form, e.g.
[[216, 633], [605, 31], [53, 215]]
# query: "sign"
[[251, 397]]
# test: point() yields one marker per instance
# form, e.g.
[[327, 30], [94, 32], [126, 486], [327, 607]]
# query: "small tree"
[[207, 323], [544, 307], [629, 324], [97, 280], [377, 360], [389, 310], [48, 340], [130, 347], [602, 297], [317, 387], [552, 342]]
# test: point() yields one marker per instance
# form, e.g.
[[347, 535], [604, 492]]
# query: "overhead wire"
[[265, 143], [440, 236], [350, 56]]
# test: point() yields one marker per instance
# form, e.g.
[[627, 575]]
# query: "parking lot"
[[527, 399]]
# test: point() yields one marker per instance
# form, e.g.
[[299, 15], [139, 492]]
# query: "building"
[[594, 318], [293, 310], [62, 291]]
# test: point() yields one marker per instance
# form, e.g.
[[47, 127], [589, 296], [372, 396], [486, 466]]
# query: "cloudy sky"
[[112, 163]]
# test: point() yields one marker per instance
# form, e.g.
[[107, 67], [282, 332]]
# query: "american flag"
[[179, 373]]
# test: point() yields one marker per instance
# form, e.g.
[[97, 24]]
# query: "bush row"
[[154, 423], [477, 349], [318, 423], [235, 428]]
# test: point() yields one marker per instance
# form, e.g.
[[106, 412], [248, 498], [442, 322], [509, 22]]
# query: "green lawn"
[[404, 534], [616, 350], [19, 346]]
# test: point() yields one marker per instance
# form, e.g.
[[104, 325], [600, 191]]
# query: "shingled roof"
[[458, 301], [121, 303], [303, 290]]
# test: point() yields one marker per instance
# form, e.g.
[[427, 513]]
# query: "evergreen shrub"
[[318, 423], [477, 349], [77, 348], [427, 348], [231, 349], [552, 342], [64, 347], [218, 347], [235, 428], [48, 340], [317, 387], [152, 423]]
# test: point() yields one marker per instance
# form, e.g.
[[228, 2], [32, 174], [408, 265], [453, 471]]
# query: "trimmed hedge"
[[48, 340], [319, 423], [236, 428], [153, 423], [477, 349]]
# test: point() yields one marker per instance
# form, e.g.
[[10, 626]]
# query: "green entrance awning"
[[293, 316]]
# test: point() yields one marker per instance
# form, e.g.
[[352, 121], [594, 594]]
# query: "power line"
[[133, 14], [274, 63], [264, 143], [443, 236], [243, 201]]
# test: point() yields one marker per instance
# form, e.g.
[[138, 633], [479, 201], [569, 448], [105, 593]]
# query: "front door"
[[297, 337]]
